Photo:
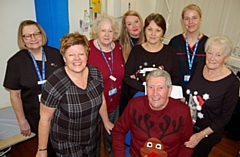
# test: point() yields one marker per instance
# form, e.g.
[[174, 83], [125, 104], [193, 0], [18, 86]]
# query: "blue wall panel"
[[52, 15]]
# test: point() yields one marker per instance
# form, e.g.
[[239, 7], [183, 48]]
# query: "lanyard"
[[190, 61], [131, 42], [110, 69], [41, 78]]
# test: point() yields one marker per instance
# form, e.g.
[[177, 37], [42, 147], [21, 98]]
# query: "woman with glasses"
[[26, 73]]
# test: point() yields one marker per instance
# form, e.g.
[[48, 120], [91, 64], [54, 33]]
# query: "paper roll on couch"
[[9, 129]]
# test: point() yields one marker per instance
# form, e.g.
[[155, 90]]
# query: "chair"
[[127, 140]]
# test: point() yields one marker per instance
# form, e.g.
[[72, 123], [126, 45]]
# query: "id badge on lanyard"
[[112, 91], [190, 60], [41, 79], [186, 77]]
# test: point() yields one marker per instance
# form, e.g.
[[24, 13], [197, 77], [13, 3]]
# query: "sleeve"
[[228, 105], [119, 132], [12, 76], [170, 42], [175, 70], [130, 69], [173, 42], [54, 60], [186, 133], [49, 92], [59, 59], [98, 76]]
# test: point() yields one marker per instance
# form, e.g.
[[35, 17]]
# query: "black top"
[[179, 44], [21, 75], [217, 99], [141, 60]]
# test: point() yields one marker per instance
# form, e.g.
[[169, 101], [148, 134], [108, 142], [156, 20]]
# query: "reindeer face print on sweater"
[[153, 147]]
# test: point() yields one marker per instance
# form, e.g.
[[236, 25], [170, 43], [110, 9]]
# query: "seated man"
[[159, 124]]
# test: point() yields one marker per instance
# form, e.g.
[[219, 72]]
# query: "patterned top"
[[140, 62], [211, 102], [76, 117]]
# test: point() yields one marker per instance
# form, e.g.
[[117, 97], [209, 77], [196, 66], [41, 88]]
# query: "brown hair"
[[20, 41], [158, 19], [71, 39]]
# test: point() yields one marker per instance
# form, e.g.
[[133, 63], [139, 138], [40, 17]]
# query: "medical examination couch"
[[9, 130]]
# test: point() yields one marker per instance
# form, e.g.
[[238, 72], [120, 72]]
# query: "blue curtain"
[[52, 15]]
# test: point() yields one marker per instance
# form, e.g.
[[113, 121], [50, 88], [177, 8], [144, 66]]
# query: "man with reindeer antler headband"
[[159, 124]]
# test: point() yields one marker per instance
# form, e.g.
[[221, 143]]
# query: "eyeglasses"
[[30, 36]]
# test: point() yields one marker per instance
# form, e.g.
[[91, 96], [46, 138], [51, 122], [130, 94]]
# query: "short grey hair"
[[223, 41], [111, 20], [160, 73]]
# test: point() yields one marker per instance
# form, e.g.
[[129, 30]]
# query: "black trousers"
[[233, 127], [202, 150], [125, 97]]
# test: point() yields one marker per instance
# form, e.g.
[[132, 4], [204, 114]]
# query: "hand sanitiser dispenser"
[[85, 23]]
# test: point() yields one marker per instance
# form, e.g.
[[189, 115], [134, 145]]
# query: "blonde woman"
[[131, 32], [26, 73], [131, 35], [189, 45]]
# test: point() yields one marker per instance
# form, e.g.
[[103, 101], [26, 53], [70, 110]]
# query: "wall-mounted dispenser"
[[85, 23]]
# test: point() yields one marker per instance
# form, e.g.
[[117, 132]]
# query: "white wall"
[[12, 12], [76, 12], [219, 16]]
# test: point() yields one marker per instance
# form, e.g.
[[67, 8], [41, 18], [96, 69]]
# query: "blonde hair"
[[20, 41], [192, 7], [71, 39], [124, 36], [111, 20]]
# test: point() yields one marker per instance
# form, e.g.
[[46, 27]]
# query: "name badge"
[[187, 77], [39, 97], [41, 82], [112, 78], [112, 91]]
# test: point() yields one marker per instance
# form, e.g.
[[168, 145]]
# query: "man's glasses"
[[30, 36]]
